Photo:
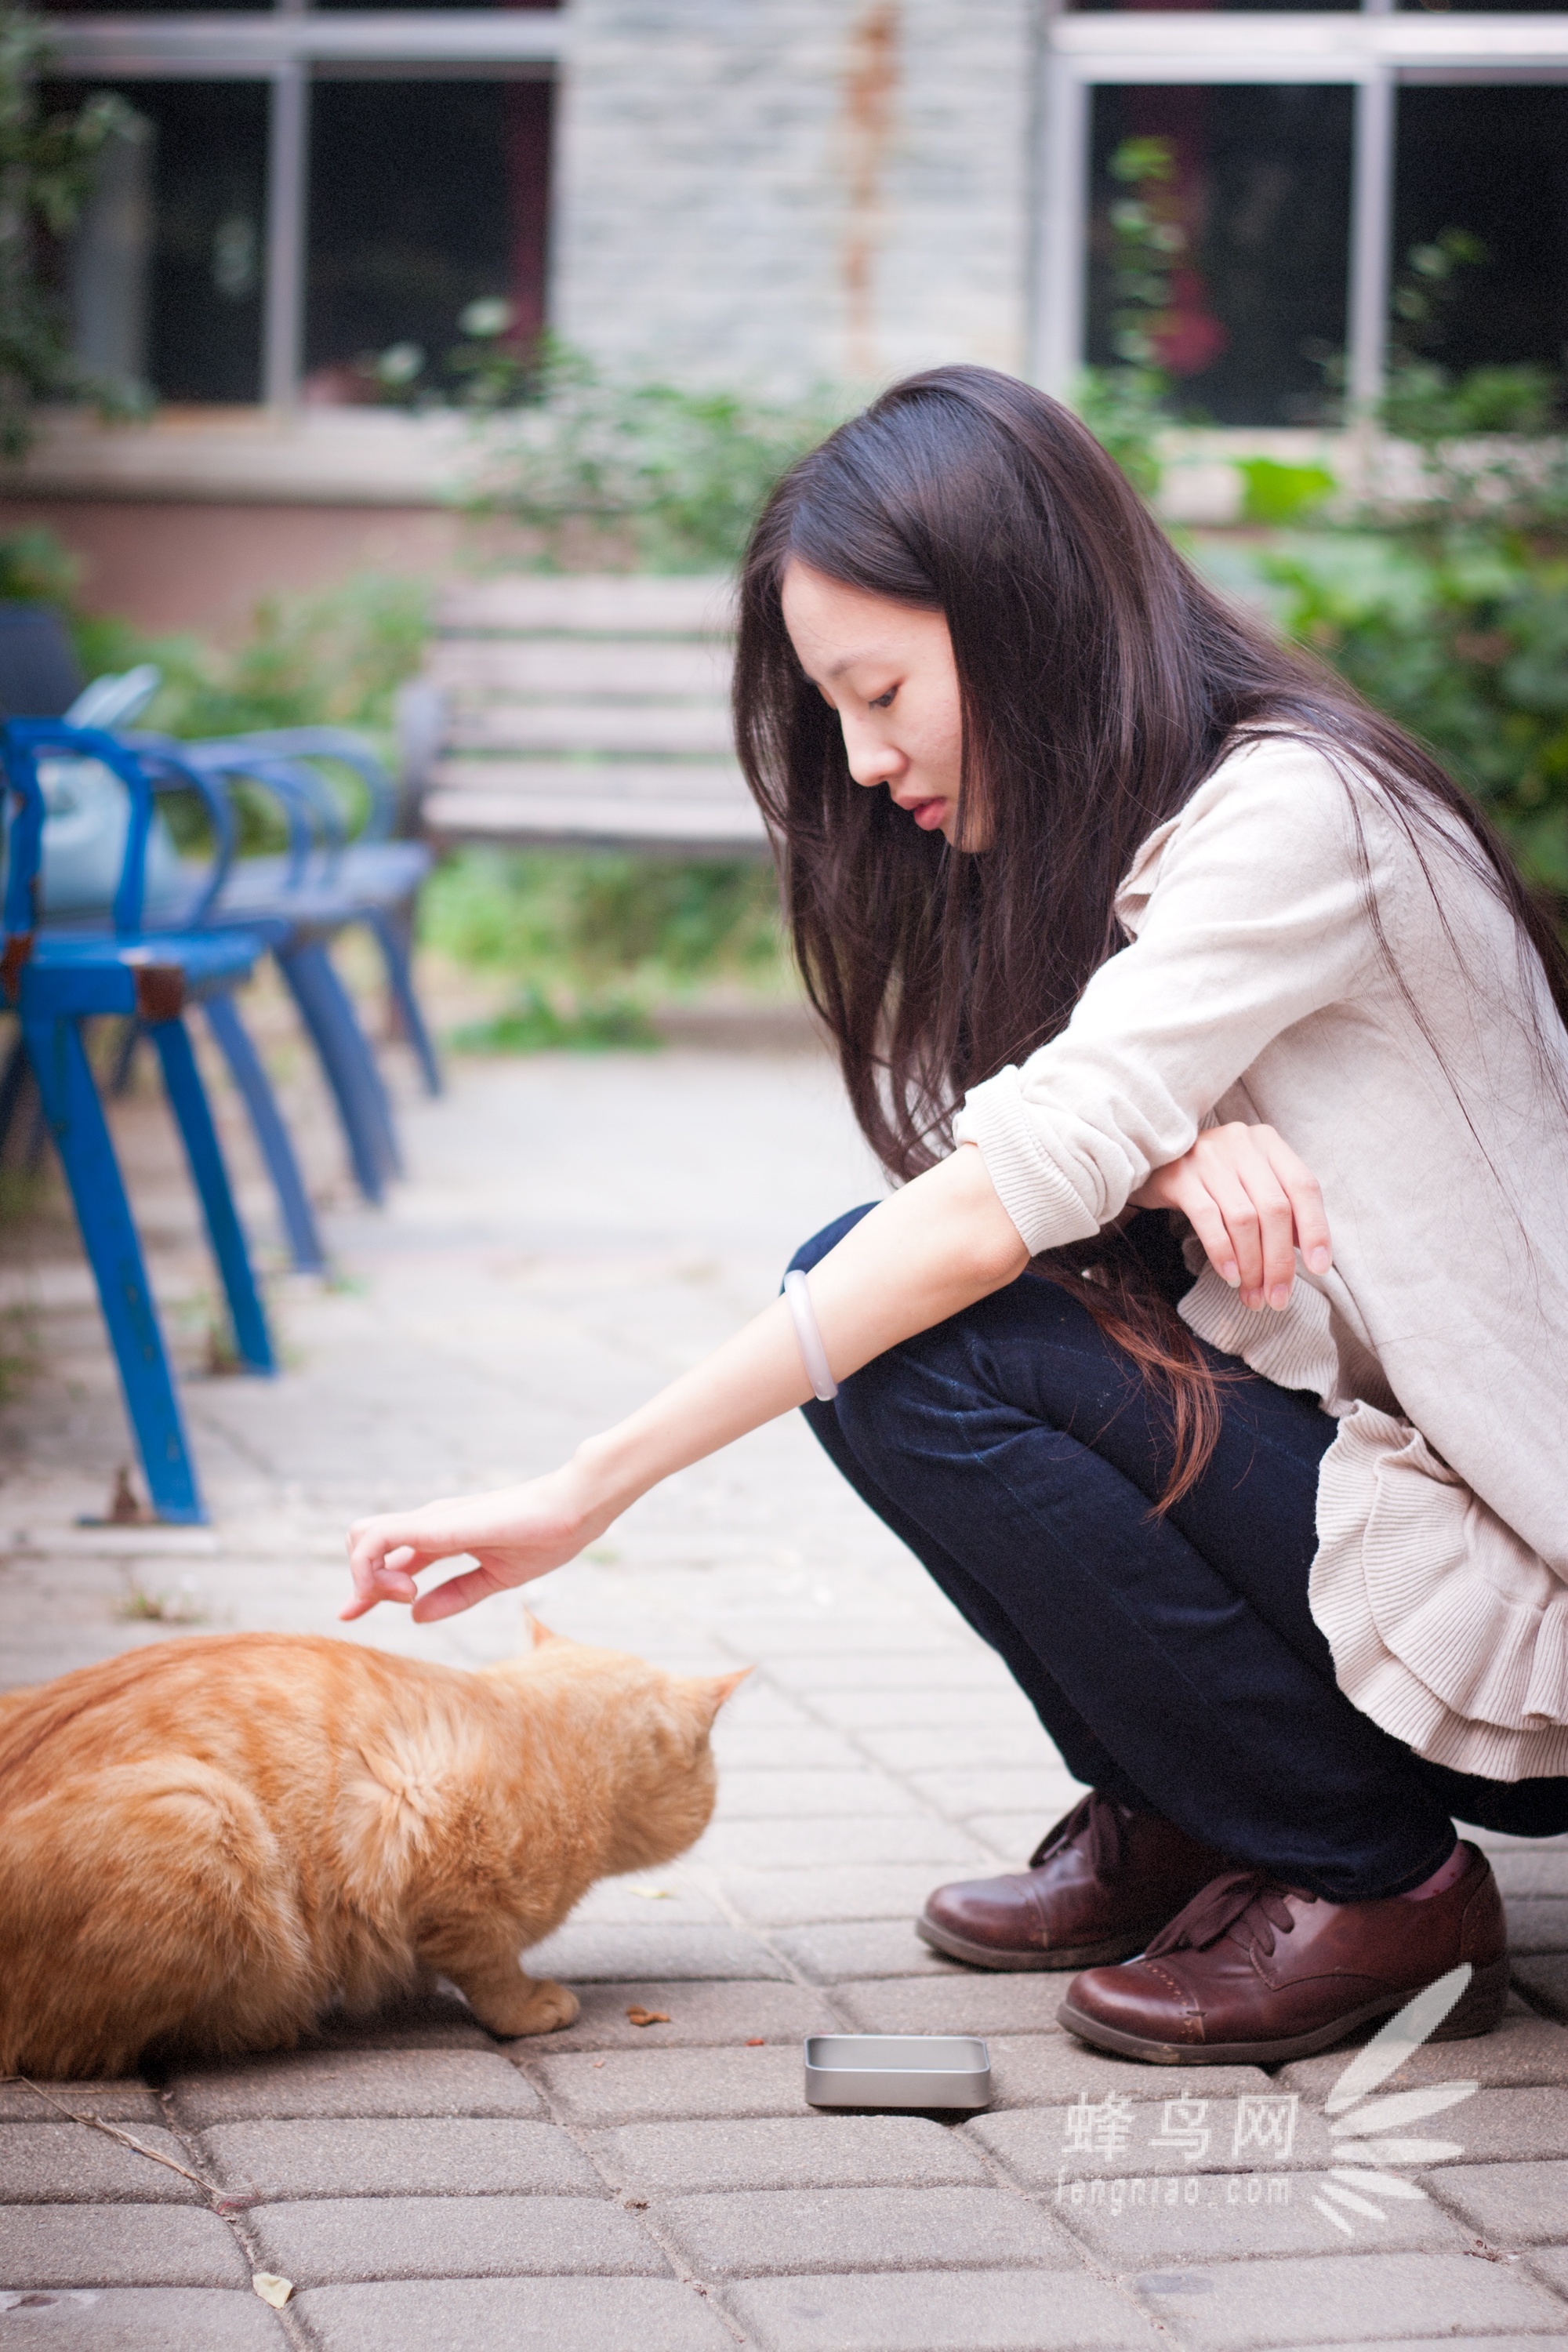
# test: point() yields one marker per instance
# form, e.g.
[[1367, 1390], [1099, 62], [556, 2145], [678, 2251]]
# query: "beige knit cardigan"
[[1254, 988]]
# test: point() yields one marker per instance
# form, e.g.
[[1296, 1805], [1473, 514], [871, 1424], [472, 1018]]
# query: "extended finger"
[[1276, 1230], [374, 1585], [1197, 1204], [1235, 1204], [458, 1594], [1305, 1193]]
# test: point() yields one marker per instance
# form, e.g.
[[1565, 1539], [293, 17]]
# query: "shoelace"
[[1105, 1822], [1247, 1898]]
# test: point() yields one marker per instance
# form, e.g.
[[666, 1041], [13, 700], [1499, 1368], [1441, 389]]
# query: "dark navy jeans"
[[1172, 1660]]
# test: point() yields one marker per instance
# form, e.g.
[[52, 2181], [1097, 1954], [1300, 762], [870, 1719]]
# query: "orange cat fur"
[[210, 1843]]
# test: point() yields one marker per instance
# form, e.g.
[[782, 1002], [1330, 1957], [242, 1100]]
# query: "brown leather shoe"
[[1098, 1886], [1253, 1971]]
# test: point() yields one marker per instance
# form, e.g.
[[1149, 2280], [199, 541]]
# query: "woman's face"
[[887, 670]]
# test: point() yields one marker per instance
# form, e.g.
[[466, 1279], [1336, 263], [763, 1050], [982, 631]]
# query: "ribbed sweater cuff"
[[1047, 1209]]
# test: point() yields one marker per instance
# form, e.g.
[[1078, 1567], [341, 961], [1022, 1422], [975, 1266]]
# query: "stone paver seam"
[[583, 2139], [964, 1820], [290, 2320], [1524, 2256], [1531, 2269], [1535, 2002]]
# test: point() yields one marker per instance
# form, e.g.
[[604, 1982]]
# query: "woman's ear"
[[709, 1691]]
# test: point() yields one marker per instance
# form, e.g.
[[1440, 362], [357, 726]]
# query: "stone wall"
[[778, 193]]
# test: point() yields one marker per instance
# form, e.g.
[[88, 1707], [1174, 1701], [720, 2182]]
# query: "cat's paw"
[[549, 2007], [529, 2006]]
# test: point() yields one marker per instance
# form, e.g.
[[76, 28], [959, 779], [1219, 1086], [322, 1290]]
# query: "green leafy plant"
[[540, 1020], [35, 569], [678, 476], [46, 164], [588, 921], [1465, 641], [593, 942], [1126, 406], [1125, 409], [1274, 493]]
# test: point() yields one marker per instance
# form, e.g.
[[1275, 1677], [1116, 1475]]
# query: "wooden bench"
[[575, 711]]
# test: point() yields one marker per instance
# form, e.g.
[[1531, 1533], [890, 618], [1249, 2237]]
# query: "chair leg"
[[13, 1086], [188, 1101], [123, 1067], [393, 936], [345, 1056], [75, 1121], [245, 1068]]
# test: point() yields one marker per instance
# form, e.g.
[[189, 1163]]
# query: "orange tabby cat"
[[210, 1843]]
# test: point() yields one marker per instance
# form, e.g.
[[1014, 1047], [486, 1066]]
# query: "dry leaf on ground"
[[640, 2016], [271, 2288]]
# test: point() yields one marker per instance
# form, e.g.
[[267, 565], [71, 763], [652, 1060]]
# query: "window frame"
[[286, 47], [1374, 50]]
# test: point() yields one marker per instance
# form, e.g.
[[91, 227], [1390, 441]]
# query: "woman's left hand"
[[1252, 1203]]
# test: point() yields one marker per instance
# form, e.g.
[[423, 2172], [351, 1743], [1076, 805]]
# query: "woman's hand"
[[1252, 1203], [515, 1534], [931, 1250]]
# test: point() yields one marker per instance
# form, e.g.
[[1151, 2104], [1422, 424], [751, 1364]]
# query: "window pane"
[[1495, 161], [1261, 188], [423, 4], [165, 267], [147, 7], [425, 196], [1146, 7]]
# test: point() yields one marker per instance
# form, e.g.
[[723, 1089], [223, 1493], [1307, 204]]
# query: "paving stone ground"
[[571, 1232]]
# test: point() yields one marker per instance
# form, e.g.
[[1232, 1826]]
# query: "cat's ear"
[[539, 1632], [709, 1691]]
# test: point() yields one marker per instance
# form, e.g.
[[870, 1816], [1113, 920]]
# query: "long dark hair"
[[1102, 681]]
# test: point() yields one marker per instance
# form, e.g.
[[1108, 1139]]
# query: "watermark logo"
[[1368, 2137]]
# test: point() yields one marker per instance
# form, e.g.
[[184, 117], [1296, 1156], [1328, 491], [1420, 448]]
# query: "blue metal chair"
[[372, 881], [182, 910], [55, 981], [374, 877], [300, 913]]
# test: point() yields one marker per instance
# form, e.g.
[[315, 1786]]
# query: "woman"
[[1114, 906]]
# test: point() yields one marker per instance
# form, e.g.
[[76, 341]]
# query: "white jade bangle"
[[813, 1354]]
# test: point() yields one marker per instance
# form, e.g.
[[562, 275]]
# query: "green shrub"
[[1273, 493], [593, 919], [592, 941], [679, 476], [47, 165], [36, 569], [1463, 640]]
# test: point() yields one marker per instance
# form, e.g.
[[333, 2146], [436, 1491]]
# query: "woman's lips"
[[927, 814]]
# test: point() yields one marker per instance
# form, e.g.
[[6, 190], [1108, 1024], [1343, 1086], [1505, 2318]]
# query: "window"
[[1495, 161], [1312, 150], [166, 271], [425, 196], [316, 186], [1262, 189]]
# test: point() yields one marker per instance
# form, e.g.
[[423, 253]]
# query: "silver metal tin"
[[897, 2070]]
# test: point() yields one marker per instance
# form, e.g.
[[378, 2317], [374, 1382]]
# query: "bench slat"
[[603, 727], [676, 827], [719, 781], [638, 604], [672, 668]]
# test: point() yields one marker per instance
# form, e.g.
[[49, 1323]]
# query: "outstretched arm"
[[931, 1250], [927, 1253]]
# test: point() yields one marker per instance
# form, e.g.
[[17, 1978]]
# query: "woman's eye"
[[884, 701]]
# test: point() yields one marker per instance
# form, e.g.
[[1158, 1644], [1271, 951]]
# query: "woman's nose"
[[870, 760]]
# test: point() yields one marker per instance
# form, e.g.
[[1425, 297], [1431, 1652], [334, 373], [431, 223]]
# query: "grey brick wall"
[[779, 192]]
